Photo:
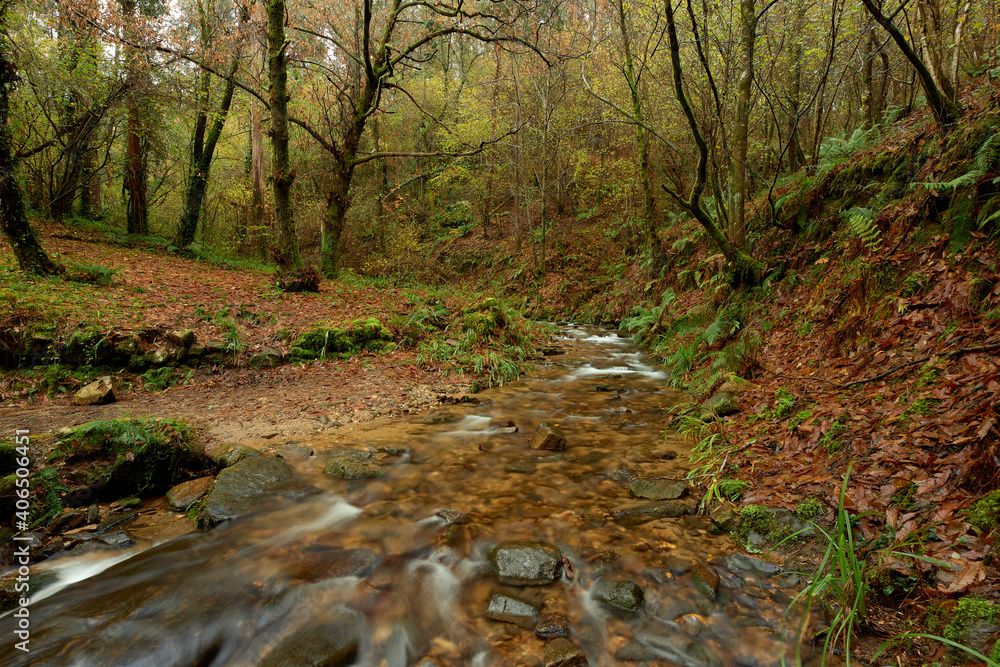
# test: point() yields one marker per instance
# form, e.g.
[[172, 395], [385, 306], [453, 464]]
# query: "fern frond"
[[861, 223]]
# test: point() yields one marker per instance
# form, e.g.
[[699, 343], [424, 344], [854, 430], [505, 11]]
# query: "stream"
[[402, 570]]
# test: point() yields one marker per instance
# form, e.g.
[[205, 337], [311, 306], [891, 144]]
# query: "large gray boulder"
[[250, 485]]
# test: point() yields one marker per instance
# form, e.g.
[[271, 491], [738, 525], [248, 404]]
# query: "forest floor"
[[152, 290]]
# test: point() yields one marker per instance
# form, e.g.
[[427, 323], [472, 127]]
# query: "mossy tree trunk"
[[31, 257], [286, 252]]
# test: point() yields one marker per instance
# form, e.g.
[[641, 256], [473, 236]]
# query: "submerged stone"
[[656, 489], [526, 563], [346, 467], [330, 645], [620, 594], [640, 514]]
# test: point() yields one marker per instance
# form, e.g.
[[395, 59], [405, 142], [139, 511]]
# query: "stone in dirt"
[[720, 404], [157, 356], [68, 521], [548, 436], [267, 358], [509, 609], [655, 489], [526, 563], [183, 338], [249, 486], [346, 467], [182, 496], [640, 514], [100, 391], [331, 645], [552, 625], [561, 652], [619, 593]]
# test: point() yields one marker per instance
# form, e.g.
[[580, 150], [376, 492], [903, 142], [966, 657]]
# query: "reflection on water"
[[395, 571]]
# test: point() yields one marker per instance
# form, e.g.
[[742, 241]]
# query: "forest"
[[337, 231]]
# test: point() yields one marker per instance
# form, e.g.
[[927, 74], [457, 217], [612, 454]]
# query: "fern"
[[987, 156], [861, 223]]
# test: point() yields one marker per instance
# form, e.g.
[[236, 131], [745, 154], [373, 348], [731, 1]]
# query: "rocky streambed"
[[546, 523]]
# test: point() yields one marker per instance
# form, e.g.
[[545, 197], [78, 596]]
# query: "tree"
[[203, 147], [745, 267], [137, 81], [946, 111], [372, 49], [31, 257], [287, 244]]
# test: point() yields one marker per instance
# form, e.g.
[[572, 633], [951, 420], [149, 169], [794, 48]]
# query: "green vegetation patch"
[[970, 613], [985, 512], [127, 457], [322, 342], [809, 509]]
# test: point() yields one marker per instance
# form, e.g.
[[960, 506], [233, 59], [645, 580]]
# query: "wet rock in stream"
[[562, 652], [621, 594], [251, 485], [510, 609], [346, 467], [182, 496], [548, 436], [526, 563], [552, 625]]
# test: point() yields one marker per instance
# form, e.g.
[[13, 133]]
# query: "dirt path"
[[240, 404]]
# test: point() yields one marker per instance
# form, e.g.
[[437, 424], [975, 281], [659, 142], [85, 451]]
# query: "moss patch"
[[985, 512], [970, 613]]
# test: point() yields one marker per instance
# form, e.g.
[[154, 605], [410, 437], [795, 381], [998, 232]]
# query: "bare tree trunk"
[[746, 268], [642, 142], [960, 19], [945, 110], [796, 156]]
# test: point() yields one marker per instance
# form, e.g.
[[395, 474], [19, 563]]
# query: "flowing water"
[[395, 571]]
